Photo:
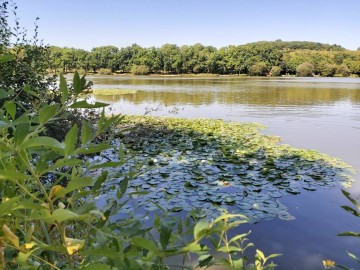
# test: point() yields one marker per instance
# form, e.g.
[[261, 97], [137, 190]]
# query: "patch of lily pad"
[[207, 165]]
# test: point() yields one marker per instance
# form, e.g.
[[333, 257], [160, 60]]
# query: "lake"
[[312, 113]]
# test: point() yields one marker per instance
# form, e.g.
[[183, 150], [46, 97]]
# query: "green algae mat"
[[209, 165]]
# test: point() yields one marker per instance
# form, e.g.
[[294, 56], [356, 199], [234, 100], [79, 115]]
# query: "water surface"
[[315, 113]]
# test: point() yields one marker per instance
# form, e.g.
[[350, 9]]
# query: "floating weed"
[[211, 164]]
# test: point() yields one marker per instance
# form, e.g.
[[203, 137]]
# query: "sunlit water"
[[315, 113]]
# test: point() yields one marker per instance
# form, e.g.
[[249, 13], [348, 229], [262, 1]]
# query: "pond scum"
[[208, 165]]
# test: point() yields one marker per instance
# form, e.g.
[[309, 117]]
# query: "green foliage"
[[343, 71], [140, 70], [104, 71], [200, 59], [26, 62], [275, 71], [259, 69], [305, 70], [328, 70], [355, 211]]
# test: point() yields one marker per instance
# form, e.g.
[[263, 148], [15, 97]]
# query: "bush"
[[275, 71], [140, 70], [259, 69], [343, 71], [104, 71], [305, 70], [328, 70]]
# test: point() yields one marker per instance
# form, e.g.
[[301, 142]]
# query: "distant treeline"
[[258, 59]]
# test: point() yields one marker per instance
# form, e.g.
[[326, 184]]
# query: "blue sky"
[[91, 23]]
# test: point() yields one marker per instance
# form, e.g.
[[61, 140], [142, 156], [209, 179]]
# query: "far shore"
[[204, 75]]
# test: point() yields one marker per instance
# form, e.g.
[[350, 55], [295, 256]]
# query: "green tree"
[[259, 69], [343, 70], [140, 70], [100, 57], [275, 71], [171, 58], [328, 70], [305, 70]]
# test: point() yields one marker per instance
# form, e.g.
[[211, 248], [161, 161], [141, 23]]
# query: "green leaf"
[[85, 132], [194, 247], [7, 206], [109, 164], [261, 255], [199, 228], [7, 57], [64, 89], [10, 108], [44, 141], [353, 256], [77, 83], [121, 153], [100, 180], [11, 236], [204, 260], [20, 132], [229, 249], [123, 186], [4, 94], [273, 256], [348, 196], [165, 233], [47, 112], [11, 175], [83, 104], [356, 234], [70, 140], [28, 90], [229, 216], [74, 184], [351, 210], [61, 215], [145, 244]]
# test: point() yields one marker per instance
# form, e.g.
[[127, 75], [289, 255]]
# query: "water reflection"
[[269, 96], [264, 92]]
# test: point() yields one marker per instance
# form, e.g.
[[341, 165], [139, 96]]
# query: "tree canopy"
[[253, 59]]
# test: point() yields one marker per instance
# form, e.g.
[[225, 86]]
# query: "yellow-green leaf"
[[73, 245], [9, 235]]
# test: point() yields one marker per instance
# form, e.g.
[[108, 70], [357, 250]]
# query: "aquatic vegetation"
[[111, 92], [207, 164]]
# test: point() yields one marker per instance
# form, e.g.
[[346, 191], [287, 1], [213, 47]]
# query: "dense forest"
[[262, 58]]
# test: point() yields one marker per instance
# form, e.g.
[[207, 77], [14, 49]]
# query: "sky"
[[91, 23]]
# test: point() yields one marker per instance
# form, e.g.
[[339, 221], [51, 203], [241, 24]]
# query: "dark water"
[[315, 113]]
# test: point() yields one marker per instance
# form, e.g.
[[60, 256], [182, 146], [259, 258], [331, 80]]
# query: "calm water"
[[315, 113]]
